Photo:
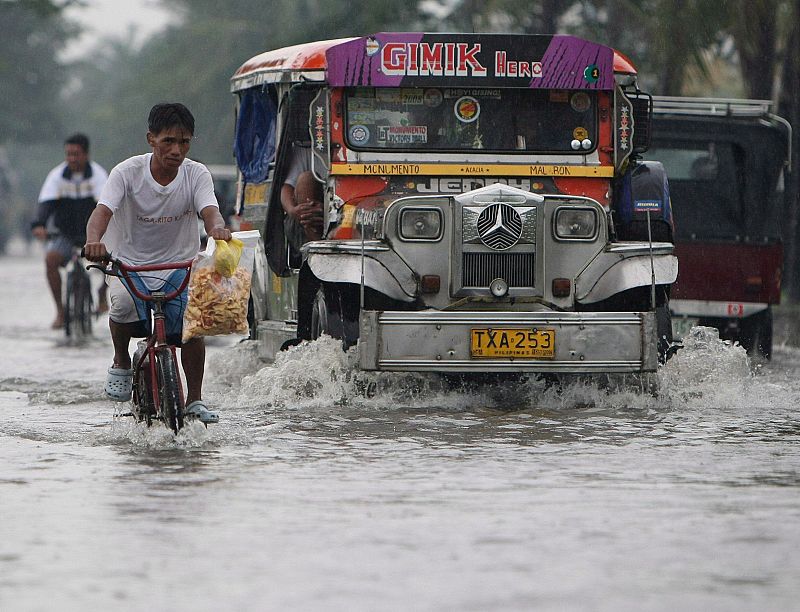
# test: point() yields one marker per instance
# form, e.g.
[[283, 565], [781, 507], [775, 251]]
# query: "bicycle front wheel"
[[69, 304], [78, 304], [169, 391], [84, 306]]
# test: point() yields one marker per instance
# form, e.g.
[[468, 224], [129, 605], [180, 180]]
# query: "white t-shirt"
[[299, 162], [154, 223]]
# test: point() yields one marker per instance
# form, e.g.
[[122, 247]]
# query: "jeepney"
[[726, 160], [486, 207]]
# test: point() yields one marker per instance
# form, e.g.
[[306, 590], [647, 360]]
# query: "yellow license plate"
[[517, 343]]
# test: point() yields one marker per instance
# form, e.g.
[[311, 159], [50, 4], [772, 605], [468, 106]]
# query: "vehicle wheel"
[[335, 313], [169, 393], [756, 334], [78, 305]]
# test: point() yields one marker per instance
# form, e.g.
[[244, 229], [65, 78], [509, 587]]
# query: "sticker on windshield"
[[477, 92], [411, 96], [580, 102], [433, 98], [403, 134], [467, 109], [580, 133], [359, 134], [387, 94]]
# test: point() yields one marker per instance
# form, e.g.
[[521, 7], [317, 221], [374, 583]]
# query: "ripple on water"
[[125, 430]]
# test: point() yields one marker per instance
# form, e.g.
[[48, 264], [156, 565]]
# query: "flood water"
[[321, 489]]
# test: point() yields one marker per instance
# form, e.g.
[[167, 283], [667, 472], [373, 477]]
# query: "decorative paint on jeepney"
[[351, 189], [358, 203], [468, 60], [453, 185], [623, 132]]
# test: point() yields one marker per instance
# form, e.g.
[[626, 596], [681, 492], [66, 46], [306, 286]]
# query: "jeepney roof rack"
[[728, 107]]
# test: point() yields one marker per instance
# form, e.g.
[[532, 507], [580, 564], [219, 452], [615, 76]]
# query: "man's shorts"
[[62, 246], [126, 308]]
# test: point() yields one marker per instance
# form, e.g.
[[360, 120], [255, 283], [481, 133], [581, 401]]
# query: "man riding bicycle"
[[67, 198], [146, 214]]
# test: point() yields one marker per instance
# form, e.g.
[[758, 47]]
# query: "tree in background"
[[31, 78], [789, 107], [34, 32]]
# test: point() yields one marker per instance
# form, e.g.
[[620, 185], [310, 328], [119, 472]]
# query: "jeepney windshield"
[[450, 119]]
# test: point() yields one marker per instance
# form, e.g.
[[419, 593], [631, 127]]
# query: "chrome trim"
[[478, 270], [439, 317], [499, 226], [436, 341], [641, 248], [350, 247], [455, 365]]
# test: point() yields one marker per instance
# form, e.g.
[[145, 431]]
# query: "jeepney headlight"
[[420, 224], [576, 223]]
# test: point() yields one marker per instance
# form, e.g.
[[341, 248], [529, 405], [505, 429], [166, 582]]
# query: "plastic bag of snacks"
[[219, 287]]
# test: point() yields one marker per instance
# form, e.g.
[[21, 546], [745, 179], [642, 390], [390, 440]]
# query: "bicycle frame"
[[157, 340]]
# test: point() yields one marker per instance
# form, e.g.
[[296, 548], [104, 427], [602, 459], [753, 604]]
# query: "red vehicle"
[[725, 160]]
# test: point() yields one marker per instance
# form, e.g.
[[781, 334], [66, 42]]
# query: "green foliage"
[[31, 78]]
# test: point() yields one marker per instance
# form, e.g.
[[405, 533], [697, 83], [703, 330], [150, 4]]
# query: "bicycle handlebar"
[[122, 271]]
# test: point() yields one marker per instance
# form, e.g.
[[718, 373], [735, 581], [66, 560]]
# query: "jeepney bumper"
[[440, 341]]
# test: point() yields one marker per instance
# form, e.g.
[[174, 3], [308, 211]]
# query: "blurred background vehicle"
[[726, 160]]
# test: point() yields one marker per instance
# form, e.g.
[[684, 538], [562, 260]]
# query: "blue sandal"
[[198, 410], [119, 384]]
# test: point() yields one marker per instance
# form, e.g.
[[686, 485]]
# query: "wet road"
[[310, 496]]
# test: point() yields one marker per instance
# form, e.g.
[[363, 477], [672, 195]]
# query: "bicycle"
[[155, 359], [78, 303]]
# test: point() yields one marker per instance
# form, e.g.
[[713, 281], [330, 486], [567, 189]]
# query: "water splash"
[[124, 429], [319, 375], [228, 367], [707, 372]]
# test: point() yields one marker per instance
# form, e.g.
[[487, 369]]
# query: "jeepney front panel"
[[494, 233]]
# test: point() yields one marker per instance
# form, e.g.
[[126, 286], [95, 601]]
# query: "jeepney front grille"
[[480, 269]]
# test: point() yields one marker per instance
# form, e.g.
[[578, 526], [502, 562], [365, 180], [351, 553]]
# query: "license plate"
[[517, 343]]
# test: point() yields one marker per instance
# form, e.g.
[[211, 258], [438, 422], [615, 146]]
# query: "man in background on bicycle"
[[67, 198], [146, 214]]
